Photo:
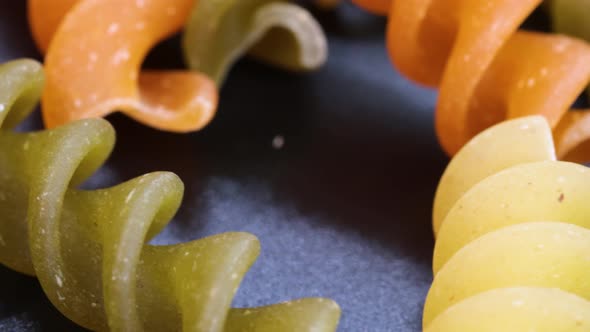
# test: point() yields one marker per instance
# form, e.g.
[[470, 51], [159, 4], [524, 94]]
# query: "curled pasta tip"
[[517, 220], [89, 248], [20, 90], [517, 141], [486, 70], [282, 34], [88, 77], [571, 17]]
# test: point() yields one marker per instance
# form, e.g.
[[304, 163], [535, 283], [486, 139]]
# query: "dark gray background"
[[342, 211]]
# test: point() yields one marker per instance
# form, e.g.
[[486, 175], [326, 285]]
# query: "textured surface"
[[342, 210], [515, 236]]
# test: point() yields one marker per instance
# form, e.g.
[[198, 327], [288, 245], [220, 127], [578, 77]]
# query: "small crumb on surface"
[[278, 142]]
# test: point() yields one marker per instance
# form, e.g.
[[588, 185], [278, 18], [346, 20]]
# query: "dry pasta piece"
[[571, 17], [539, 309], [488, 71], [89, 247], [515, 232], [280, 33], [95, 49]]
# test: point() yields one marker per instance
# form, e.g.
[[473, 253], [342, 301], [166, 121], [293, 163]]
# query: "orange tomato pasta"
[[90, 76], [486, 69]]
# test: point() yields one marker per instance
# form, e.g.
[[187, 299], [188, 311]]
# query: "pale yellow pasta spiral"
[[513, 247]]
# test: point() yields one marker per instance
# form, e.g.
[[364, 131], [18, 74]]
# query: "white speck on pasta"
[[58, 280], [234, 276], [524, 126], [559, 47], [113, 28], [120, 56], [77, 102], [2, 107], [140, 3], [561, 179], [26, 148], [60, 297], [93, 304], [92, 56], [531, 82], [171, 11], [129, 196], [517, 303], [544, 71]]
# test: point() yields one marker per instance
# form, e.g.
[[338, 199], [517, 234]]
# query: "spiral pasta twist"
[[95, 49], [281, 33], [486, 70], [94, 53], [513, 236], [88, 248]]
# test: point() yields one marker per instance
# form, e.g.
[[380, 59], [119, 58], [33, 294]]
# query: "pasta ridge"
[[89, 250]]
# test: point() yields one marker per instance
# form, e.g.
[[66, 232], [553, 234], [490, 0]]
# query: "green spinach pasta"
[[88, 248], [283, 34], [571, 17]]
